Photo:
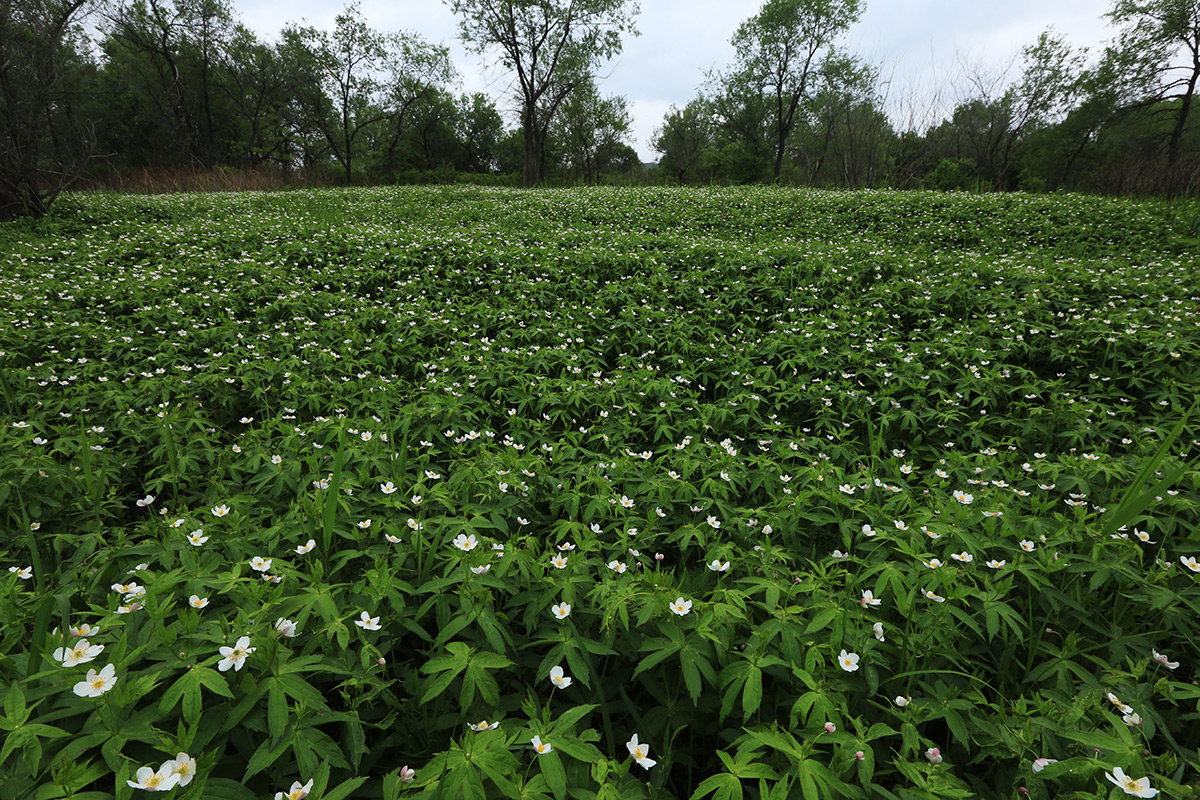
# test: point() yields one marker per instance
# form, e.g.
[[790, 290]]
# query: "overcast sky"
[[918, 45]]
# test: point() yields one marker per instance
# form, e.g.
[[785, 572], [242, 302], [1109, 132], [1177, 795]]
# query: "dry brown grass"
[[165, 180]]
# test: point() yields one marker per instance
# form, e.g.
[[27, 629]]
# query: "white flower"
[[1160, 658], [195, 601], [1190, 562], [81, 653], [934, 597], [557, 677], [994, 564], [483, 725], [297, 792], [220, 511], [1137, 788], [540, 747], [481, 570], [681, 607], [235, 656], [640, 753], [387, 488], [617, 566], [1112, 698], [713, 522], [963, 497], [717, 565], [878, 628], [868, 531], [465, 543], [197, 538], [97, 683], [367, 622], [1040, 764], [901, 700], [185, 768], [301, 549], [626, 502], [1027, 546], [869, 599], [964, 557], [561, 611], [848, 661], [261, 564], [162, 781], [24, 573], [145, 501], [286, 627], [559, 561]]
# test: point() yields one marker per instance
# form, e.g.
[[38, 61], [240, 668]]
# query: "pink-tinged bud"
[[934, 755], [1024, 792], [860, 755], [381, 661], [406, 774], [658, 556], [830, 727]]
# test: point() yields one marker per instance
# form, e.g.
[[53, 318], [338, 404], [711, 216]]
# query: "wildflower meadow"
[[607, 494]]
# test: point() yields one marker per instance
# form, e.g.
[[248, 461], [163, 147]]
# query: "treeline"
[[171, 87], [797, 108]]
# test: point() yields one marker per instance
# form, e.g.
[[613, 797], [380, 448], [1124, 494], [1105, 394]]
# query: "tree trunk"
[[1181, 118]]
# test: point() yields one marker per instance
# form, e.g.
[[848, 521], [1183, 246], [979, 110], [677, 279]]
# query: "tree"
[[1155, 32], [551, 45], [780, 50], [682, 140], [479, 129], [161, 58], [371, 77], [589, 129], [43, 146]]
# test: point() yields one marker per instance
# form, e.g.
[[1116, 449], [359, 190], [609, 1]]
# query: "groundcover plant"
[[461, 493]]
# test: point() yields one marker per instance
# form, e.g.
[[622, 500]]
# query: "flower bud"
[[830, 727], [860, 755]]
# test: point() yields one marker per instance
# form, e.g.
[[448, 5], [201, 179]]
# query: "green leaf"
[[721, 787], [343, 789], [554, 773]]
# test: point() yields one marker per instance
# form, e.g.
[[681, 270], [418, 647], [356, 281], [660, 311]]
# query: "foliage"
[[552, 46], [865, 495], [43, 144]]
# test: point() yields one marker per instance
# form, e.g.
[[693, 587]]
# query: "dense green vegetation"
[[867, 495], [167, 95]]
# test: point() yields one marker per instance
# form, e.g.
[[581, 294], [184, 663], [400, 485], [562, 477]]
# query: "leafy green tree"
[[590, 128], [162, 58], [479, 129], [551, 45], [682, 140], [371, 77], [1161, 39], [43, 144], [781, 49]]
